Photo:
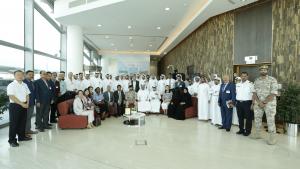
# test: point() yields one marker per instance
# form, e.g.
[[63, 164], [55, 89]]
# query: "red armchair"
[[67, 120], [192, 111]]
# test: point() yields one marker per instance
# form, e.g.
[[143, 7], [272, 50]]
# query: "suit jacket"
[[228, 93], [137, 85], [43, 92], [31, 88], [116, 97], [106, 98], [53, 88]]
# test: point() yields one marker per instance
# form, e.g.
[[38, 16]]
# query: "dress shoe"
[[49, 124], [246, 133], [41, 130], [240, 132], [14, 144], [25, 139], [53, 121], [48, 127], [221, 128], [228, 130]]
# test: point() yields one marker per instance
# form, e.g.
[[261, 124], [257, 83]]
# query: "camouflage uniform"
[[130, 97], [263, 88]]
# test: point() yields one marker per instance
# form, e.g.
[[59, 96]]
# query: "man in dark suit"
[[55, 89], [109, 100], [119, 99], [44, 98], [227, 99], [135, 84]]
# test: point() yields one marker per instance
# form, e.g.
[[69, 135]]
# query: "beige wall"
[[210, 47]]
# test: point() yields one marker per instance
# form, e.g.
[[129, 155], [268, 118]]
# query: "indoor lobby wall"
[[203, 49], [210, 48]]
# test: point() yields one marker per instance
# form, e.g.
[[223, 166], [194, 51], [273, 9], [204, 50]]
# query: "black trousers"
[[120, 109], [244, 112], [42, 115], [17, 122], [53, 114]]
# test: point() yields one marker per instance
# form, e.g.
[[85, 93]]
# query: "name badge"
[[227, 91]]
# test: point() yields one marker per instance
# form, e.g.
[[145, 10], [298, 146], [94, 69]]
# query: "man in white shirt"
[[87, 81], [70, 83], [80, 82], [171, 82], [152, 82], [18, 93], [244, 94]]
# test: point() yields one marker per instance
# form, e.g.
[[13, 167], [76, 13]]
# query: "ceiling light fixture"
[[167, 9], [106, 37], [130, 37], [112, 44], [158, 28], [150, 45], [99, 25], [129, 26]]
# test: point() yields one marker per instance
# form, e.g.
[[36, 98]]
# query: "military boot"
[[256, 134], [271, 140]]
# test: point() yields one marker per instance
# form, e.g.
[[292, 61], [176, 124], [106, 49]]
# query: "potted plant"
[[288, 108], [3, 102]]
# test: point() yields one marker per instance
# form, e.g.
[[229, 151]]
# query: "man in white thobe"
[[87, 81], [161, 84], [203, 100], [171, 82], [143, 81], [97, 81], [154, 100], [106, 82], [215, 110], [125, 84], [143, 100], [193, 89], [152, 82], [117, 82]]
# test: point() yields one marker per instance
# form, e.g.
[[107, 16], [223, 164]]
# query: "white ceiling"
[[144, 16]]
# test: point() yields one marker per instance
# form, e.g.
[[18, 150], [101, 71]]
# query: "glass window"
[[7, 67], [86, 51], [45, 63], [12, 21], [47, 8], [46, 37], [86, 61]]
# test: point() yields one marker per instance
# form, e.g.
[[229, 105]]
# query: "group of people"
[[99, 97]]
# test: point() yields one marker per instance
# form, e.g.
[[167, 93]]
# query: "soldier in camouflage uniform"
[[264, 99], [130, 98]]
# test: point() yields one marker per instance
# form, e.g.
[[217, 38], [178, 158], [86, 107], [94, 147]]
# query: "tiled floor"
[[171, 144]]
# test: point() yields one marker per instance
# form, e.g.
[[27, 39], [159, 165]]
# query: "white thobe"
[[125, 85], [193, 89], [96, 82], [116, 83], [87, 83], [171, 83], [203, 98], [107, 82], [143, 101], [80, 85], [154, 101], [152, 82], [215, 111], [71, 85], [161, 86]]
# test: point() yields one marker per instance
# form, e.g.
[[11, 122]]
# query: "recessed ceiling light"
[[158, 28], [106, 37], [129, 26], [167, 9], [150, 45], [130, 37], [99, 25], [112, 44]]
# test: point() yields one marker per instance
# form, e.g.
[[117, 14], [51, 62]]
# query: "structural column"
[[28, 36], [74, 49]]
